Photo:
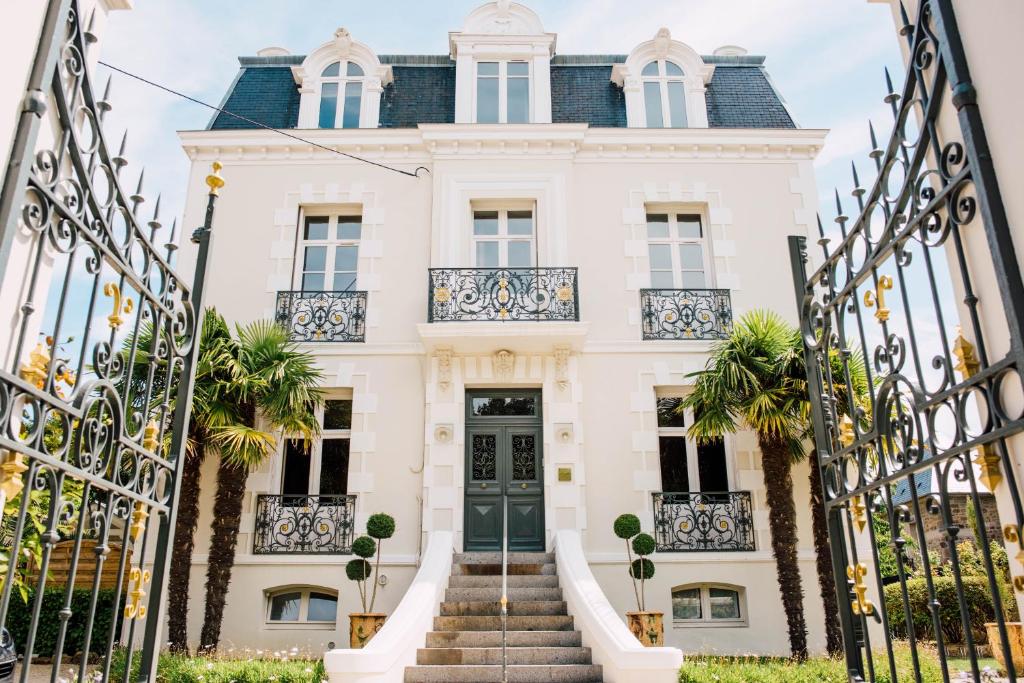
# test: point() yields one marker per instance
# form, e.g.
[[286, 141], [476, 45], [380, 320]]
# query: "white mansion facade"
[[509, 299]]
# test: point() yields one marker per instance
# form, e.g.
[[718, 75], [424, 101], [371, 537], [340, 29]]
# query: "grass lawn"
[[181, 669]]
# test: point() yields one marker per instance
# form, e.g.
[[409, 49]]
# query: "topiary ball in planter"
[[626, 526], [642, 569], [380, 526], [358, 570], [364, 547], [644, 544]]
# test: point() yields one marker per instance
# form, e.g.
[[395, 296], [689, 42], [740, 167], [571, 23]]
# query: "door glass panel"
[[509, 405], [344, 282], [487, 92], [694, 279], [316, 258], [285, 607], [518, 98], [652, 102], [345, 258], [296, 467], [334, 467], [338, 414], [485, 457], [657, 225], [316, 228], [520, 222], [714, 476], [353, 95], [691, 256], [725, 604], [689, 227], [520, 254], [667, 414], [312, 282], [322, 607], [674, 476], [686, 604], [328, 104], [661, 256], [524, 457], [677, 104], [662, 279], [350, 227], [487, 254], [485, 222]]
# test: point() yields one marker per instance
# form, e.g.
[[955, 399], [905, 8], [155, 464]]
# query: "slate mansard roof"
[[740, 94]]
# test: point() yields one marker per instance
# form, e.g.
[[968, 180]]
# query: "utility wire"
[[414, 174]]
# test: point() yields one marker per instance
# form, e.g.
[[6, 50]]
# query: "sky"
[[826, 57]]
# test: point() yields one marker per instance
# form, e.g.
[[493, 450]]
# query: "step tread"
[[494, 581], [554, 622], [516, 656], [492, 608], [520, 673], [514, 557], [493, 593], [447, 639]]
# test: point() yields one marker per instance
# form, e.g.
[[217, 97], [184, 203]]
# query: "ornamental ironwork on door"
[[97, 343], [915, 392]]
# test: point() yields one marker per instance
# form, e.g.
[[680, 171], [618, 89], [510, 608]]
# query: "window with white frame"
[[341, 95], [502, 92], [677, 251], [708, 605], [685, 465], [504, 238], [320, 467], [664, 94], [302, 605], [330, 253]]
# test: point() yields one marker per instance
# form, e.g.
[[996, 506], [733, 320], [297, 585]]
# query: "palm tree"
[[756, 377], [272, 385]]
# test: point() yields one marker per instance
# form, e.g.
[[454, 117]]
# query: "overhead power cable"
[[414, 173]]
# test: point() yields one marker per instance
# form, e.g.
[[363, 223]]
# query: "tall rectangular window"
[[353, 97], [677, 251], [321, 467], [328, 104], [504, 238], [487, 92], [685, 465], [330, 253], [518, 92], [503, 92]]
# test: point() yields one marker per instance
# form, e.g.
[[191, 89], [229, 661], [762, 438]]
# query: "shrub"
[[358, 570], [176, 668], [626, 526], [19, 618], [364, 547], [380, 526], [642, 568], [643, 544], [979, 602]]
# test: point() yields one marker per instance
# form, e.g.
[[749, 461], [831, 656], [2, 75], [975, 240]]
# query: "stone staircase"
[[465, 645]]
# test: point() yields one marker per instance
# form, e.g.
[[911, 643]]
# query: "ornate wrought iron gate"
[[913, 418], [96, 370]]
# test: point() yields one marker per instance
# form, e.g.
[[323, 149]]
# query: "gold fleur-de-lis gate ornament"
[[861, 604], [135, 609], [115, 319], [877, 298]]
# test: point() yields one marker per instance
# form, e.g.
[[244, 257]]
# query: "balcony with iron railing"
[[703, 521], [323, 316], [304, 525], [703, 314]]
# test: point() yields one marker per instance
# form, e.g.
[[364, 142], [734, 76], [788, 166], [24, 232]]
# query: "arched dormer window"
[[341, 95], [664, 94], [340, 85]]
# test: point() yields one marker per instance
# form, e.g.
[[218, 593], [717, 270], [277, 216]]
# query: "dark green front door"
[[504, 456]]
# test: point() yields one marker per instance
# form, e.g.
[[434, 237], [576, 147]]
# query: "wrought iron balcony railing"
[[304, 525], [323, 316], [686, 313], [699, 521], [503, 294]]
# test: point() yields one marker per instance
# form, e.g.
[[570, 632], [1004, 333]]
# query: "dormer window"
[[341, 95], [664, 94], [503, 92]]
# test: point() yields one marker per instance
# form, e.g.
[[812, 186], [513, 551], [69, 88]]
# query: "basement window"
[[302, 605], [708, 605]]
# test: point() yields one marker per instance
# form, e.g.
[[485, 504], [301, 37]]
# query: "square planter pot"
[[363, 627], [1015, 633], [648, 627]]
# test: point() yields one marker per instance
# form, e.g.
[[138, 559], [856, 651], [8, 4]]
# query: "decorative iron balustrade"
[[699, 521], [686, 313], [304, 525], [323, 316], [503, 294]]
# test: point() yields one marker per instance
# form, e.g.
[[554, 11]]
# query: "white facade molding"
[[502, 31], [696, 76], [341, 48]]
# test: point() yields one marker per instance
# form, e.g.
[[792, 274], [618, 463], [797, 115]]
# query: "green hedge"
[[979, 601], [816, 670], [183, 669], [20, 616]]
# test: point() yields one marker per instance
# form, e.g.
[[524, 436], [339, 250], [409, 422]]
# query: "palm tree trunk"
[[826, 583], [223, 539], [185, 525], [778, 479]]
